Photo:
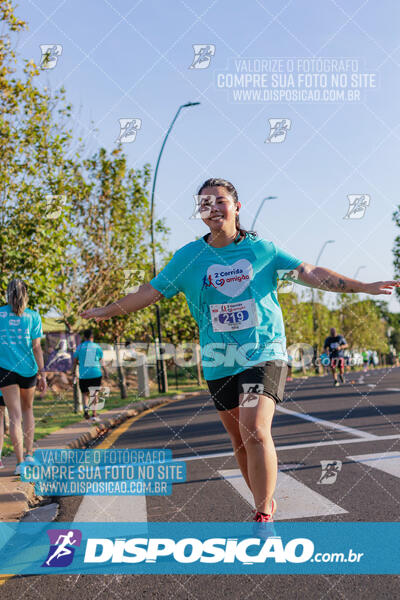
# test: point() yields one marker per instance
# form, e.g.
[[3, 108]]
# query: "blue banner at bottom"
[[200, 548]]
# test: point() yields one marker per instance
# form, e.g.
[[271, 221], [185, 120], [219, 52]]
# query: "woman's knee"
[[237, 441], [27, 398], [26, 407], [255, 432], [15, 417]]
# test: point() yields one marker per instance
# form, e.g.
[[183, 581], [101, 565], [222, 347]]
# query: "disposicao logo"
[[61, 553], [191, 550]]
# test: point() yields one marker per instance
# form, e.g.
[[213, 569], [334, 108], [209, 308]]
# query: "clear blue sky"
[[125, 59]]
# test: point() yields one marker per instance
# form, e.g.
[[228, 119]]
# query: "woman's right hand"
[[42, 385], [98, 313]]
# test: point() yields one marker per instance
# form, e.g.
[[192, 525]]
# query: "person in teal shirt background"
[[21, 358], [89, 357]]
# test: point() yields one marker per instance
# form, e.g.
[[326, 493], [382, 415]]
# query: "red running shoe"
[[263, 518], [264, 524]]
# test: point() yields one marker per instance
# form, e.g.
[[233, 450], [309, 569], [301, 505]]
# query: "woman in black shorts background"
[[20, 359]]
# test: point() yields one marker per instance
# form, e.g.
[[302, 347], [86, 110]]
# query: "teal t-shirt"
[[16, 335], [232, 294], [89, 355]]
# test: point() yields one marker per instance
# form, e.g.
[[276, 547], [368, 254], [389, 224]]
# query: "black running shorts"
[[267, 378], [10, 378], [85, 384]]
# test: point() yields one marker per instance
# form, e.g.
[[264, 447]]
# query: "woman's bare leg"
[[230, 420], [28, 419], [13, 403], [85, 400], [262, 463]]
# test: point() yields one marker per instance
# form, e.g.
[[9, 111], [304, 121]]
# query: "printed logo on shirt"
[[230, 280], [14, 322]]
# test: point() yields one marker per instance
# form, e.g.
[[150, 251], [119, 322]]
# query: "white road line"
[[295, 446], [204, 456], [376, 438], [294, 499], [328, 424], [392, 389], [112, 509], [384, 461]]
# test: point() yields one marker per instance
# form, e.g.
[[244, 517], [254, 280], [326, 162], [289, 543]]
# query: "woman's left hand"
[[381, 287]]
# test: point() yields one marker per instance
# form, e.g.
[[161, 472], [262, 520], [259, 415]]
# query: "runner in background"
[[365, 360], [88, 356], [20, 358], [229, 278], [335, 344], [347, 360]]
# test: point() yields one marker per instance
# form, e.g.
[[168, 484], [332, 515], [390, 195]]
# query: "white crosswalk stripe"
[[112, 509], [389, 462], [295, 500], [328, 424]]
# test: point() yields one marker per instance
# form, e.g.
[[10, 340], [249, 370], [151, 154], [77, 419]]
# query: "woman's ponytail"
[[17, 296]]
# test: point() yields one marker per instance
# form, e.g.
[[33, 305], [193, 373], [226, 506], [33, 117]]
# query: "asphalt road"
[[317, 422]]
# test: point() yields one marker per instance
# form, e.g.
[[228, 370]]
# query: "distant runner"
[[89, 356], [365, 357], [334, 345]]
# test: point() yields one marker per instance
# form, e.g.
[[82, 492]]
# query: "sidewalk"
[[17, 497]]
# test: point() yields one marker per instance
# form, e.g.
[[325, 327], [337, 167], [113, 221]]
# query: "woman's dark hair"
[[214, 182]]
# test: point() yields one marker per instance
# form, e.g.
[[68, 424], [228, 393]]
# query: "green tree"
[[362, 325], [108, 252], [35, 175]]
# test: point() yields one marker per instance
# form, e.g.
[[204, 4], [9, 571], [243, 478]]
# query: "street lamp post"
[[260, 207], [358, 270], [313, 306], [161, 374]]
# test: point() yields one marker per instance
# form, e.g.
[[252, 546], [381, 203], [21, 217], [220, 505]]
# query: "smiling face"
[[219, 209]]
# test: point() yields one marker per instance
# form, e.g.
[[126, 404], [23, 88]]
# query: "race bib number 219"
[[234, 316]]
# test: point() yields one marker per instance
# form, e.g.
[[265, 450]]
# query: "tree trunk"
[[120, 371], [303, 367], [78, 405], [176, 374]]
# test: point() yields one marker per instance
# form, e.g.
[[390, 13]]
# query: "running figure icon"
[[62, 549]]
